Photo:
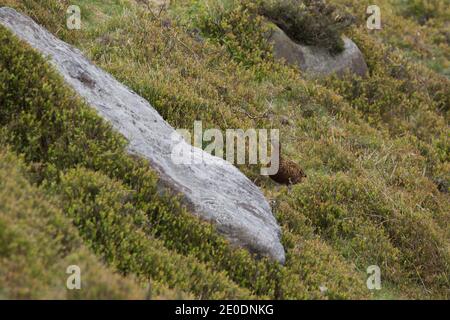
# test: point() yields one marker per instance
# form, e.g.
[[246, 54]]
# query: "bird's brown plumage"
[[289, 173]]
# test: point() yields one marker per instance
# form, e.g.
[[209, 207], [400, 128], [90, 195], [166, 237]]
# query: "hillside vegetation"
[[376, 151]]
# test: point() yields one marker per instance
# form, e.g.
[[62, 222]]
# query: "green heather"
[[376, 151]]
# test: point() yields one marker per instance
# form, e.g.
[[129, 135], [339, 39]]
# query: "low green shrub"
[[371, 227], [422, 10], [238, 27], [38, 242]]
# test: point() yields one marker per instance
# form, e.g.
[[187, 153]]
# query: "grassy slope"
[[420, 28], [38, 242], [376, 151]]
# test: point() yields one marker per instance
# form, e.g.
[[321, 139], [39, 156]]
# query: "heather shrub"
[[38, 242], [238, 27], [356, 216], [422, 10]]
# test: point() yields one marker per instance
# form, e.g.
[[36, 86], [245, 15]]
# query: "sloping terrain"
[[376, 151]]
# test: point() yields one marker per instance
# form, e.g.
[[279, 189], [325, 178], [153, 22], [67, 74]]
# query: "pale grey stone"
[[316, 61]]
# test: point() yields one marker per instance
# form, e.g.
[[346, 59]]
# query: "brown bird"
[[289, 173]]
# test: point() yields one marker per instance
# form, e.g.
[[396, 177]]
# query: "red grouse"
[[289, 172]]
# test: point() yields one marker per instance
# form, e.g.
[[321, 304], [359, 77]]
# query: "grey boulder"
[[317, 61], [213, 189]]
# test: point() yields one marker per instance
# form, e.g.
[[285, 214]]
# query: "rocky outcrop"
[[317, 61], [214, 189]]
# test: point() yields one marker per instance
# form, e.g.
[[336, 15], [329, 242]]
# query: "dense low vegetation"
[[376, 151], [38, 242], [419, 28]]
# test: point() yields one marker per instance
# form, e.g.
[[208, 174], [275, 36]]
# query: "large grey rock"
[[318, 61], [214, 189]]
